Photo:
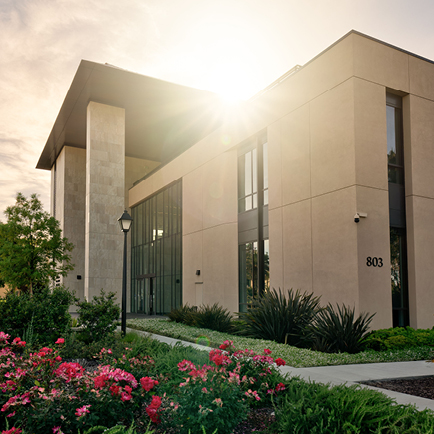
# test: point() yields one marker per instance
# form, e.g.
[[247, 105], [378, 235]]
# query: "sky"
[[235, 47]]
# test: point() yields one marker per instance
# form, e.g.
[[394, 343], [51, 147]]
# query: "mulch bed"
[[420, 386]]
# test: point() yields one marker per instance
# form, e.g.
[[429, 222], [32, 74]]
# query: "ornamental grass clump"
[[313, 408], [184, 314], [214, 317], [281, 317]]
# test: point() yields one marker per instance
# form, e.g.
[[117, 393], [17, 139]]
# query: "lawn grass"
[[296, 357]]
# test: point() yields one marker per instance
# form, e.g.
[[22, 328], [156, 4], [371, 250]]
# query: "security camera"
[[359, 215]]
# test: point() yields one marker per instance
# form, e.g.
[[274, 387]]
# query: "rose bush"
[[218, 396], [40, 393]]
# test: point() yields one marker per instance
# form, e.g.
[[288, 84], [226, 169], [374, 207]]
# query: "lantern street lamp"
[[125, 221]]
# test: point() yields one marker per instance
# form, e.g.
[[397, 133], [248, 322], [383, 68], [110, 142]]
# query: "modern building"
[[323, 182]]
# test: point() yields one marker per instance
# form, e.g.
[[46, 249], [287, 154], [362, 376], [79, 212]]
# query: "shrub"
[[209, 399], [399, 342], [260, 377], [45, 312], [214, 317], [98, 317], [166, 361], [335, 331], [399, 338], [184, 314], [238, 327], [280, 318]]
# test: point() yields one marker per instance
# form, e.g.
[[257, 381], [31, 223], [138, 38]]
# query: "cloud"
[[41, 45]]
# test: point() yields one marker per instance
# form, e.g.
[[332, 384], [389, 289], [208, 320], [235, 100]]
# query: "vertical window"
[[395, 158], [265, 172], [398, 266], [397, 220], [254, 276], [248, 263], [247, 181], [266, 266]]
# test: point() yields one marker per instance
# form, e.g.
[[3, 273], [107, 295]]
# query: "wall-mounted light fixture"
[[197, 272], [360, 215]]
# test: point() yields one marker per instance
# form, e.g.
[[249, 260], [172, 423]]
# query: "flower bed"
[[223, 393], [40, 393]]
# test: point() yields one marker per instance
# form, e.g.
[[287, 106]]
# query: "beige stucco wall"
[[326, 128], [419, 161]]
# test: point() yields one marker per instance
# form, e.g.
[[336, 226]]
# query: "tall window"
[[395, 157], [254, 277], [397, 220], [248, 181], [156, 253]]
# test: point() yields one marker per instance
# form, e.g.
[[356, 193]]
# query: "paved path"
[[349, 374]]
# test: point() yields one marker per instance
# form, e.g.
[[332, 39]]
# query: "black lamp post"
[[125, 221]]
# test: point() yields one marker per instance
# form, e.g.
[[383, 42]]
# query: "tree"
[[32, 249]]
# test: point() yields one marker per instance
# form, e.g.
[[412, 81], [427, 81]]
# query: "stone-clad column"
[[105, 198]]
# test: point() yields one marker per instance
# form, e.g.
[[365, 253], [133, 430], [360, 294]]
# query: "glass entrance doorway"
[[146, 294]]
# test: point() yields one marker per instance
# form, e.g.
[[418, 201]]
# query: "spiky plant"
[[184, 314], [338, 330], [281, 317], [214, 317]]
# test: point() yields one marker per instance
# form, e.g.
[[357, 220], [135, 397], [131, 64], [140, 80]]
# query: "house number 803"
[[374, 262]]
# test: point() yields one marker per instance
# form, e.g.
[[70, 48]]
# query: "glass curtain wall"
[[156, 252]]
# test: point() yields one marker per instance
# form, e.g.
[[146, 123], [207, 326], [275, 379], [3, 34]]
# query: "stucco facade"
[[324, 137]]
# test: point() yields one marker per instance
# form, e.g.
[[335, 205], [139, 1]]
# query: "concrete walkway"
[[347, 374]]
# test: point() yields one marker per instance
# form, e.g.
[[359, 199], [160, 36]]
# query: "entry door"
[[150, 295], [140, 296], [146, 294]]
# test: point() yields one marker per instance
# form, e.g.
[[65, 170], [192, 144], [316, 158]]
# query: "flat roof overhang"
[[162, 119]]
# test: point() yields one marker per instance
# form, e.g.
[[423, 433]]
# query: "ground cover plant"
[[215, 390], [297, 357]]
